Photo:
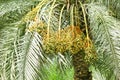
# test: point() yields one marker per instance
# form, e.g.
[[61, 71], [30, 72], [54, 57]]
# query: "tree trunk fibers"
[[81, 68]]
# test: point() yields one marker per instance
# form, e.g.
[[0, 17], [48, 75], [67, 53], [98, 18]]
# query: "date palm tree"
[[32, 31]]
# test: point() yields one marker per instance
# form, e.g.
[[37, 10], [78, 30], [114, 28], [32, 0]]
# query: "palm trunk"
[[81, 68]]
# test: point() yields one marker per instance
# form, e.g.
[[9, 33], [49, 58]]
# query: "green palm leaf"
[[12, 11], [29, 53], [105, 32], [7, 53], [11, 56], [112, 5]]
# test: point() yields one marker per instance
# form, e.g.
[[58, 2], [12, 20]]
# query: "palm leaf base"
[[81, 68]]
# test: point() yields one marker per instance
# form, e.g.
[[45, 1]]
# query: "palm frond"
[[32, 61], [96, 74], [105, 31], [7, 52], [20, 58], [12, 11], [112, 5], [29, 55]]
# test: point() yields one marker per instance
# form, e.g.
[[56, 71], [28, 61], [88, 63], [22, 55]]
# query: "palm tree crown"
[[32, 31]]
